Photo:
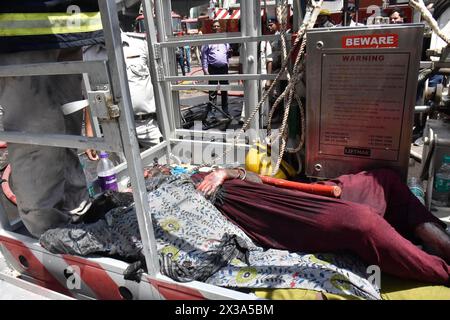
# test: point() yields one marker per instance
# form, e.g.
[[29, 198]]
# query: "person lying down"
[[250, 235]]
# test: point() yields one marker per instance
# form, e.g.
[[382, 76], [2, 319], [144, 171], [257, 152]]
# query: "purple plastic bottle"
[[106, 173]]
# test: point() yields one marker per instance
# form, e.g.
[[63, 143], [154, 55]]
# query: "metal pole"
[[266, 21], [251, 26], [94, 119], [298, 15], [234, 37], [357, 10], [154, 62], [167, 58], [344, 13], [164, 18], [121, 91]]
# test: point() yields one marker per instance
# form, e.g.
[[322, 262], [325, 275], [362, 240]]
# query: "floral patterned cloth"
[[187, 227]]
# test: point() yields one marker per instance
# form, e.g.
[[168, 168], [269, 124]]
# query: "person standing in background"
[[187, 52], [348, 18], [179, 54], [274, 62], [324, 19], [397, 16], [215, 60], [141, 88]]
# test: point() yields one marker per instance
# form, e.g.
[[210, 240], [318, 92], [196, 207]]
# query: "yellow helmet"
[[258, 161], [325, 12]]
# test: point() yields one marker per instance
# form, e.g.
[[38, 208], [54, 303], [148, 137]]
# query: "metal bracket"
[[113, 111], [430, 142], [160, 72], [157, 51], [159, 67], [102, 104]]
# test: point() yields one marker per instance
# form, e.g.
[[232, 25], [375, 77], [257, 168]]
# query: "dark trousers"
[[213, 94], [180, 61], [49, 182]]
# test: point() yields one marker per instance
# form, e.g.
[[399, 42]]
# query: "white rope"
[[300, 106], [281, 11], [313, 10], [290, 89], [282, 17], [426, 15], [302, 124]]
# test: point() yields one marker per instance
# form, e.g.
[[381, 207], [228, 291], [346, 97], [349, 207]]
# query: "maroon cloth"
[[374, 217]]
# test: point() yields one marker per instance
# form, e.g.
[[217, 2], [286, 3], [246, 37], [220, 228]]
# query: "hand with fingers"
[[212, 182], [92, 154]]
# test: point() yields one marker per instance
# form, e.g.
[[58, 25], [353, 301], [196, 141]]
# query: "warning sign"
[[370, 41], [361, 93], [363, 98]]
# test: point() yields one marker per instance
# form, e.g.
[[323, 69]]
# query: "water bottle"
[[90, 176], [441, 187], [415, 185], [106, 173]]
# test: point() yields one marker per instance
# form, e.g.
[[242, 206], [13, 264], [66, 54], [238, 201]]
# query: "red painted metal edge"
[[5, 185], [35, 268], [176, 292]]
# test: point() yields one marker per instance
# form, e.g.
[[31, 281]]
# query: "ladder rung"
[[56, 140], [219, 77], [195, 41], [52, 68], [181, 87], [221, 146]]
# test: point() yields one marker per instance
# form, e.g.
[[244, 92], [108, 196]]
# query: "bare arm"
[[269, 71], [215, 179], [91, 153]]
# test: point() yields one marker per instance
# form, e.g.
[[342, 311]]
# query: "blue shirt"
[[215, 54]]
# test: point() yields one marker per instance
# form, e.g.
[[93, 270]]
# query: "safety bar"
[[220, 77], [193, 41], [58, 140], [119, 78], [420, 109], [225, 87], [53, 68], [215, 134]]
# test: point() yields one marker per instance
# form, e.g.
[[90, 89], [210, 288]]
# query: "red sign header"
[[370, 41]]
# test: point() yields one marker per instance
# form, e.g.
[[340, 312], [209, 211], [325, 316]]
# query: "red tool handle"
[[320, 189]]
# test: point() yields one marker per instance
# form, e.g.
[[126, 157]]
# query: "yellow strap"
[[29, 24]]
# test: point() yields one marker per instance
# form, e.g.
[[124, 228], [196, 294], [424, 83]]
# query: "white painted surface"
[[12, 292], [4, 267]]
